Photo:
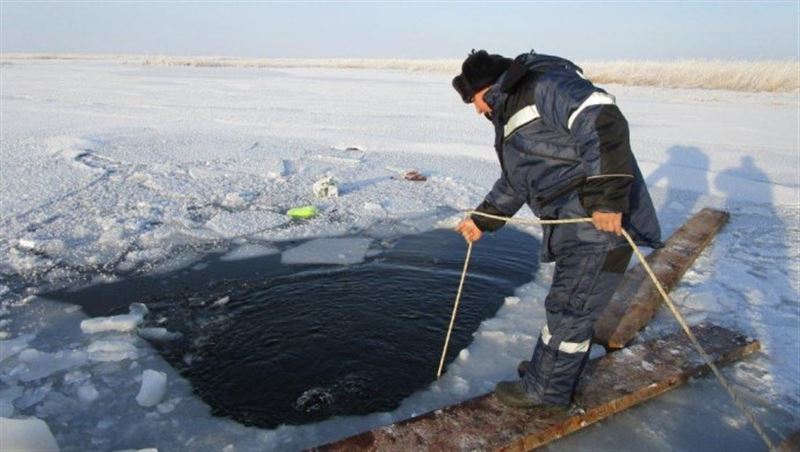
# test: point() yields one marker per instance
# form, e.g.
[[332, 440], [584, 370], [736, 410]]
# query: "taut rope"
[[667, 300]]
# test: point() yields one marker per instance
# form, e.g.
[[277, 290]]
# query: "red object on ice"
[[415, 176]]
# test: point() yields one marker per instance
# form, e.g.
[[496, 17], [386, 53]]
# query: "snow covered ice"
[[145, 168]]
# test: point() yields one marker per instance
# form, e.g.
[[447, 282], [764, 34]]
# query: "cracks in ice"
[[130, 216]]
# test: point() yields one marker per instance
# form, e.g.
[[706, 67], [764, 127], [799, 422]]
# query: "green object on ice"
[[302, 212]]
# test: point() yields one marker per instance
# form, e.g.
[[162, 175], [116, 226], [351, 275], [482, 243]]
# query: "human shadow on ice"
[[760, 244], [755, 267], [686, 175]]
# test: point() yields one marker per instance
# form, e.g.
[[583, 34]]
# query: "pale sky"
[[578, 30]]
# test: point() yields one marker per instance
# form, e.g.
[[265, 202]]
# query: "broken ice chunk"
[[7, 398], [249, 252], [158, 334], [38, 364], [87, 393], [75, 376], [168, 406], [512, 301], [27, 434], [154, 386], [328, 251], [11, 347], [33, 396], [222, 301], [124, 322], [112, 350]]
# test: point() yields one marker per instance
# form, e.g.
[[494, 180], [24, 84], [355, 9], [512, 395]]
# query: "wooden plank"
[[790, 444], [637, 300], [613, 383]]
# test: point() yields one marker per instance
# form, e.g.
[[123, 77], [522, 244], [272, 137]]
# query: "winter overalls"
[[564, 149]]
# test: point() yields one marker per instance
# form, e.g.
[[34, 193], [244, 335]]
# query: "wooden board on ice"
[[637, 300], [613, 383]]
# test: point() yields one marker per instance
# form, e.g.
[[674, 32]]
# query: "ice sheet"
[[328, 251], [248, 252]]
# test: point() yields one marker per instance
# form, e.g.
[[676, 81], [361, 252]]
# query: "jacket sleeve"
[[589, 114], [502, 200]]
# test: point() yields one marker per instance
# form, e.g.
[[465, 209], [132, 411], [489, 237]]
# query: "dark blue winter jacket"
[[564, 149]]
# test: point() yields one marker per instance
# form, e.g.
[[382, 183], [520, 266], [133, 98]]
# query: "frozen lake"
[[110, 170]]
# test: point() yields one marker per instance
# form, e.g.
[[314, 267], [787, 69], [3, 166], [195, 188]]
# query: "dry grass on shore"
[[738, 75]]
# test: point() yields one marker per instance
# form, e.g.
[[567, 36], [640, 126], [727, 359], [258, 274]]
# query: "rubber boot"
[[522, 368], [513, 394]]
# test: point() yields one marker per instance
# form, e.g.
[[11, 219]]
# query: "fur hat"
[[479, 70]]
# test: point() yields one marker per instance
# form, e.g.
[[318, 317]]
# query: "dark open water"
[[299, 343]]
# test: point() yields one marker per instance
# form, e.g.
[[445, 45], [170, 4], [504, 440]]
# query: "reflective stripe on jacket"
[[564, 149]]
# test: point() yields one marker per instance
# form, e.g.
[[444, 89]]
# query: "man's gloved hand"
[[469, 230], [608, 221]]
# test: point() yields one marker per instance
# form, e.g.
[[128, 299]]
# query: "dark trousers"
[[582, 286]]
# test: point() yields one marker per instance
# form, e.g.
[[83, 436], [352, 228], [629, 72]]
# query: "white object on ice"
[[328, 251], [326, 188], [154, 386], [124, 322], [30, 434]]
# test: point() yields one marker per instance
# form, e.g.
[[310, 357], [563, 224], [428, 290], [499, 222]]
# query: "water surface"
[[268, 344]]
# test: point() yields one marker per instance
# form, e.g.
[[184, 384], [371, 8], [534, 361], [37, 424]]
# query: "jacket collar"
[[496, 99]]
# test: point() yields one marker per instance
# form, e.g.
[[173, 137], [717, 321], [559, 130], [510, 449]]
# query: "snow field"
[[108, 170]]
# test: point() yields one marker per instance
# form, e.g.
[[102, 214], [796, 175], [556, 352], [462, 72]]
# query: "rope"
[[455, 309], [664, 296]]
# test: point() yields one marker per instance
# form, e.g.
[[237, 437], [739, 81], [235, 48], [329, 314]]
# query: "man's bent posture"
[[564, 149]]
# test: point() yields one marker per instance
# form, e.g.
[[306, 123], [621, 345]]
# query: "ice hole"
[[300, 342]]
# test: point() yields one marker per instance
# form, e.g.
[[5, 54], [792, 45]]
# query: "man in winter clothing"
[[564, 150]]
